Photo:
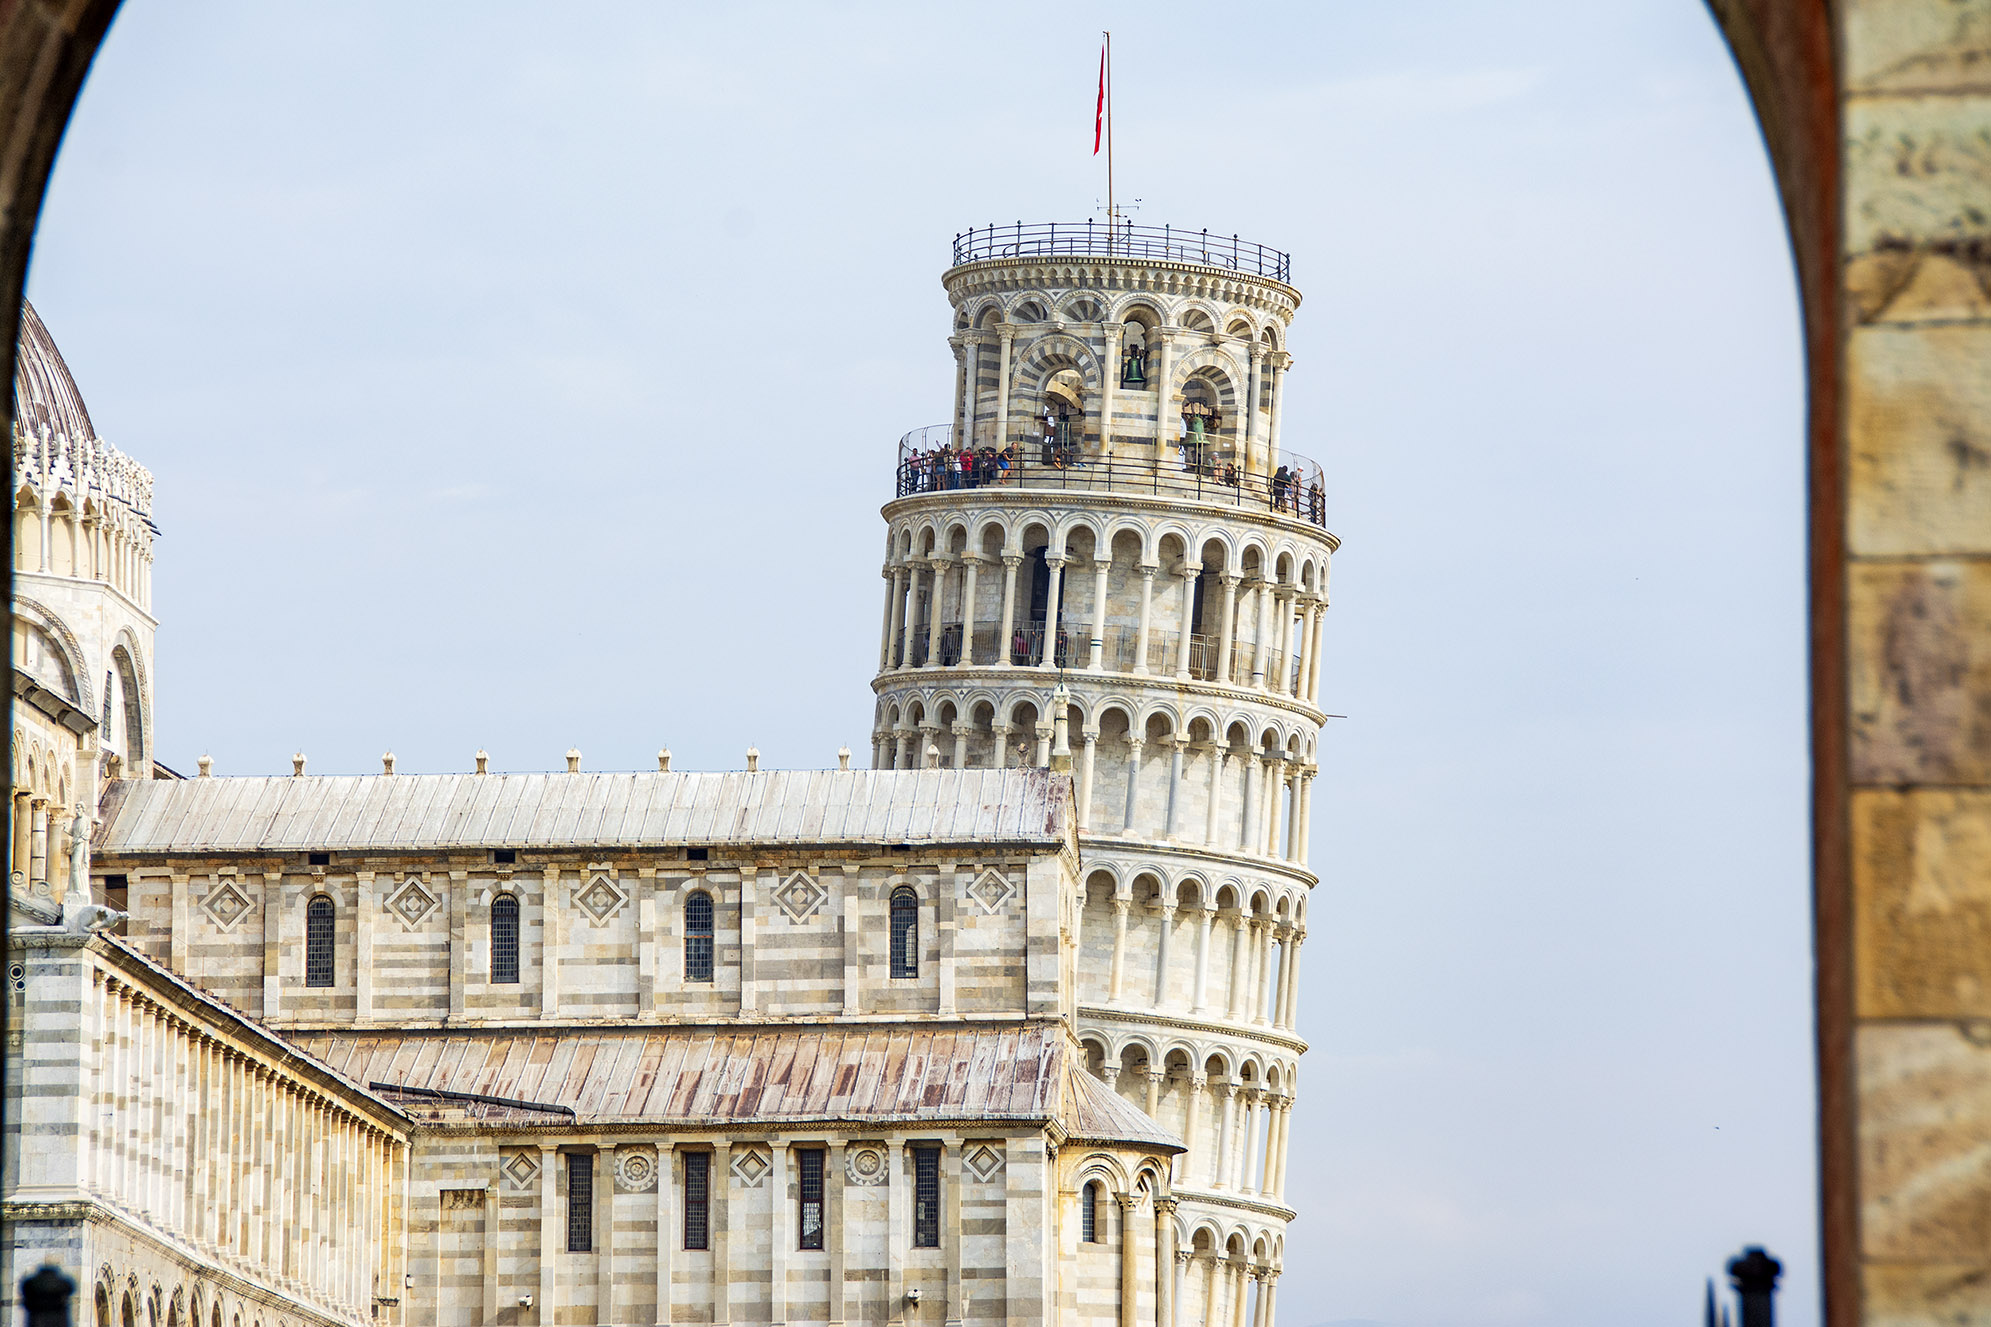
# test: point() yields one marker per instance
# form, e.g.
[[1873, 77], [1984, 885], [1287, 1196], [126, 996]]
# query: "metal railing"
[[1199, 472], [1121, 240], [1119, 652]]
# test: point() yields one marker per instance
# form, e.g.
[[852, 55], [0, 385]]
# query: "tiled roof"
[[418, 812], [708, 1076], [1096, 1113]]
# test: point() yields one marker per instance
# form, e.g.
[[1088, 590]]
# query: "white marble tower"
[[1130, 542]]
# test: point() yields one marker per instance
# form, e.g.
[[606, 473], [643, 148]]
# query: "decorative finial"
[[753, 759], [843, 757], [297, 766], [483, 761], [387, 762], [664, 760], [932, 756], [206, 765], [573, 760]]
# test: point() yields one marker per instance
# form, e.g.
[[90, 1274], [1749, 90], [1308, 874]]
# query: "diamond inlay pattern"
[[412, 903], [991, 891], [800, 897], [984, 1163], [600, 898], [750, 1167], [520, 1171], [227, 904]]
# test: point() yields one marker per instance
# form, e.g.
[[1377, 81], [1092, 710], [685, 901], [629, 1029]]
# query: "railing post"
[[1754, 1275]]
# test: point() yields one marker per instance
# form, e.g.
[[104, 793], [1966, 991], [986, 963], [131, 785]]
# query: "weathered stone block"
[[1916, 45], [1922, 873], [1925, 1135], [1919, 428], [1920, 645], [1916, 168], [1944, 1295]]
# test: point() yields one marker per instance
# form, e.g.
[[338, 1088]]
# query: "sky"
[[525, 377]]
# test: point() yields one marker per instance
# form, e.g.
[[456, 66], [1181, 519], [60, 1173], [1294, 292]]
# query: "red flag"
[[1099, 110]]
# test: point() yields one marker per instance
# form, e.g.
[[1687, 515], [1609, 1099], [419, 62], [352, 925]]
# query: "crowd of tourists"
[[945, 468]]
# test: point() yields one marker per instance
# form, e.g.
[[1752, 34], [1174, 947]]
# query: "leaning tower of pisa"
[[1109, 561]]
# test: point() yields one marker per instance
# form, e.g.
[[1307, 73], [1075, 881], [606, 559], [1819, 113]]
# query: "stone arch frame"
[[1090, 1040], [1023, 523], [979, 525], [1024, 303], [1124, 523], [988, 312], [1068, 306], [1104, 1166], [40, 615], [1196, 303], [1225, 1059], [1033, 366], [138, 704], [1253, 542], [1073, 521], [1240, 314], [1197, 880]]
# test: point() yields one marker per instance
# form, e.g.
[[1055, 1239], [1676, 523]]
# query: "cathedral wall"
[[793, 935], [491, 1218]]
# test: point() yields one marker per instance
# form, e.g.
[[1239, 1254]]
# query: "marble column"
[[1120, 906], [1096, 660], [1225, 671], [1188, 620], [894, 604], [1165, 1262], [1089, 738], [1130, 1263], [1047, 653], [1007, 631], [1008, 335], [1134, 746], [1175, 746], [911, 617], [935, 611], [1147, 616], [1206, 916], [971, 563]]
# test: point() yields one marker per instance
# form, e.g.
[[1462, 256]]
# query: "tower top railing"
[[1188, 469], [1121, 240]]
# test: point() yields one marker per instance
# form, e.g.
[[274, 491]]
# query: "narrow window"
[[697, 1199], [505, 856], [1088, 1214], [318, 859], [698, 937], [318, 922], [905, 933], [926, 1197], [811, 1206], [580, 1202], [504, 939], [698, 854]]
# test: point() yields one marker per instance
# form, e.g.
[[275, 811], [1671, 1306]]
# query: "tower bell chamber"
[[1111, 530]]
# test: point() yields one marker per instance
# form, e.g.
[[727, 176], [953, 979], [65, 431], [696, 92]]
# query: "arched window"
[[905, 933], [318, 928], [1088, 1214], [504, 939], [698, 937]]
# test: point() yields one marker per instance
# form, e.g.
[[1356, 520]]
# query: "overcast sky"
[[527, 377]]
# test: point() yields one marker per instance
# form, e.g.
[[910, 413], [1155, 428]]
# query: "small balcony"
[[1188, 471]]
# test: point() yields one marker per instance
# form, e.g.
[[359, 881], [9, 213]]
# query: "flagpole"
[[1111, 212]]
